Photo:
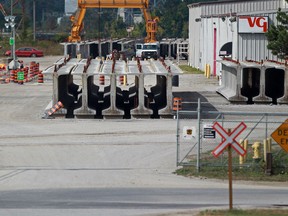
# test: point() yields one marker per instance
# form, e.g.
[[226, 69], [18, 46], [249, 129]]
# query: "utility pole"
[[99, 34], [10, 22], [34, 18], [12, 25]]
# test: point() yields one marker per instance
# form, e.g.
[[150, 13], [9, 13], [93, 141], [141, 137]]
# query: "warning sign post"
[[229, 140]]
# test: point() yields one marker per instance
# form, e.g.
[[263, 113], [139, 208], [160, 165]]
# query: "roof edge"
[[216, 2]]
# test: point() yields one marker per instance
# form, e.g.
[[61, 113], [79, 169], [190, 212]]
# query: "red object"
[[229, 139], [214, 52], [26, 52]]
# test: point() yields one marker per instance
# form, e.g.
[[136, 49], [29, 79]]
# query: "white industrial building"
[[230, 28]]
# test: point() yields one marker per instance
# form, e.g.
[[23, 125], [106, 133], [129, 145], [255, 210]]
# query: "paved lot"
[[61, 153]]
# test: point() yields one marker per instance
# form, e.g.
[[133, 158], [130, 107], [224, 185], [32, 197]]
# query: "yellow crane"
[[77, 20]]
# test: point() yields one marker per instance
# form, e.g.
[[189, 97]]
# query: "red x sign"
[[229, 139]]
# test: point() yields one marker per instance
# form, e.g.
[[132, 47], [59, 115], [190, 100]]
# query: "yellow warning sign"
[[280, 135]]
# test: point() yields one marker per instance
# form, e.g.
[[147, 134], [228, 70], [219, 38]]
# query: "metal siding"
[[208, 43], [223, 36], [254, 46], [238, 7], [194, 30]]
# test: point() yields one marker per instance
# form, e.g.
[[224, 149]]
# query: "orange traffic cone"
[[54, 109]]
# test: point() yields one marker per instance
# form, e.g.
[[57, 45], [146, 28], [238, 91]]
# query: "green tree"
[[174, 18], [118, 28], [139, 30], [277, 36]]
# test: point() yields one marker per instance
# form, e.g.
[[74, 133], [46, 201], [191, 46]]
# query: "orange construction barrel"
[[177, 103], [40, 78], [102, 80]]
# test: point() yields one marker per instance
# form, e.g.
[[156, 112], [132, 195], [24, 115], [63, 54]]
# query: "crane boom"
[[77, 20], [77, 25], [113, 3]]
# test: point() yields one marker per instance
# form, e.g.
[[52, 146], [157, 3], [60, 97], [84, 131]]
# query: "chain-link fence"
[[197, 139]]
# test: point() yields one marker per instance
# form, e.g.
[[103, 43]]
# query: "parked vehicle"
[[150, 50], [26, 52], [139, 48]]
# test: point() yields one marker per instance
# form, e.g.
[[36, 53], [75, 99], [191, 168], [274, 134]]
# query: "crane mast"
[[151, 26], [77, 20]]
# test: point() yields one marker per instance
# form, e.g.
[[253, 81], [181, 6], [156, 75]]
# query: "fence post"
[[199, 133], [177, 138]]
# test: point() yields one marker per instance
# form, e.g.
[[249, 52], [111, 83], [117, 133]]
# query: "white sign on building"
[[252, 24]]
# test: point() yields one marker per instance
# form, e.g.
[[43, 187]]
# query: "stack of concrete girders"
[[254, 82], [85, 49], [146, 92]]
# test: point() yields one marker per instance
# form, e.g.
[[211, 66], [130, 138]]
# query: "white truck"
[[138, 47], [149, 50]]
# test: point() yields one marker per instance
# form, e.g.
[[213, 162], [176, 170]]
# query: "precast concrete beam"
[[66, 48], [174, 71], [111, 68], [231, 82], [261, 97], [81, 69], [281, 66], [163, 69], [141, 110], [63, 71], [113, 96], [112, 111], [167, 111], [61, 67], [284, 99], [140, 69]]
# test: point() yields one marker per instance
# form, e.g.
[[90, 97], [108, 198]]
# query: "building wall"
[[215, 18], [226, 7], [195, 35], [254, 46]]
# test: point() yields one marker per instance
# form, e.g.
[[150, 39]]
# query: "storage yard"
[[95, 129], [82, 153]]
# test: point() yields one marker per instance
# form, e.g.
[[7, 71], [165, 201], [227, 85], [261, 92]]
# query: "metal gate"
[[196, 138]]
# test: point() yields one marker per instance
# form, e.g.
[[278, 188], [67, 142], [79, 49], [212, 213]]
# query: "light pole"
[[10, 22], [99, 34]]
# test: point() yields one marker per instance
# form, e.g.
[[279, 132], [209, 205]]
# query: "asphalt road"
[[106, 167], [131, 201]]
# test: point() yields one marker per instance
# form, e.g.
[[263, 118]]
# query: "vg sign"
[[252, 24]]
